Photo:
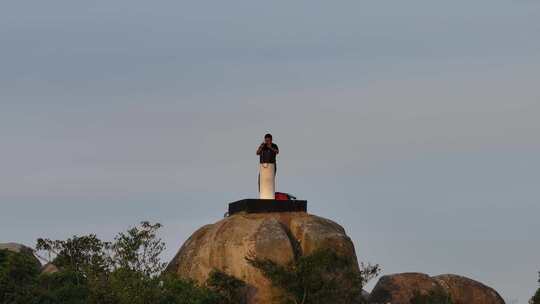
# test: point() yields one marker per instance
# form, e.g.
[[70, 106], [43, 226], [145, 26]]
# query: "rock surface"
[[400, 288], [49, 268], [464, 290], [16, 247], [275, 236]]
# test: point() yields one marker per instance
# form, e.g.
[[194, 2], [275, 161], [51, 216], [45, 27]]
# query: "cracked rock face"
[[400, 288], [225, 244]]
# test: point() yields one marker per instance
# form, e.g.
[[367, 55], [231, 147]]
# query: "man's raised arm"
[[259, 149]]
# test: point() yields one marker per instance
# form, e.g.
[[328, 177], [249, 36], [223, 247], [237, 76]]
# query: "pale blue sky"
[[414, 124]]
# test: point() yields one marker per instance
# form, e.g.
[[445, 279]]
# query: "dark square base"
[[252, 205]]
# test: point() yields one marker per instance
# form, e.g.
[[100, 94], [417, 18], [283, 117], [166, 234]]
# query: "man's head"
[[268, 138]]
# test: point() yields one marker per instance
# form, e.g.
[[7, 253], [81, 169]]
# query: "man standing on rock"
[[267, 152]]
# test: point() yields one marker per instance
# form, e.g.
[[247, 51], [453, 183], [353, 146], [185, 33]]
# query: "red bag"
[[280, 196]]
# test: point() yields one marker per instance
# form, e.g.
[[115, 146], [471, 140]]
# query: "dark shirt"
[[267, 155]]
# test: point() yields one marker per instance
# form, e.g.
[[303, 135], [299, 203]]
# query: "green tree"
[[229, 289], [138, 249], [321, 277], [127, 270], [18, 276], [79, 254], [65, 286], [122, 271], [178, 291], [134, 261], [84, 257]]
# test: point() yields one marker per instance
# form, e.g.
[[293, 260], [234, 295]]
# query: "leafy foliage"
[[18, 273], [138, 250], [85, 257], [437, 296], [75, 252], [179, 291], [127, 270], [321, 277], [230, 289], [66, 286]]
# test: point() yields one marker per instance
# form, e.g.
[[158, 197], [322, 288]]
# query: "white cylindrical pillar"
[[267, 186]]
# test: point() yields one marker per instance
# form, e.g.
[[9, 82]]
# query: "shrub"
[[61, 287], [18, 276], [178, 291], [321, 277], [124, 271], [229, 289]]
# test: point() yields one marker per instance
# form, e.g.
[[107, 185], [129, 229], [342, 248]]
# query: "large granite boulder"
[[401, 288], [275, 236], [464, 290]]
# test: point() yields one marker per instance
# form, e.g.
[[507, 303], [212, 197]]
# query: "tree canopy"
[[127, 270]]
